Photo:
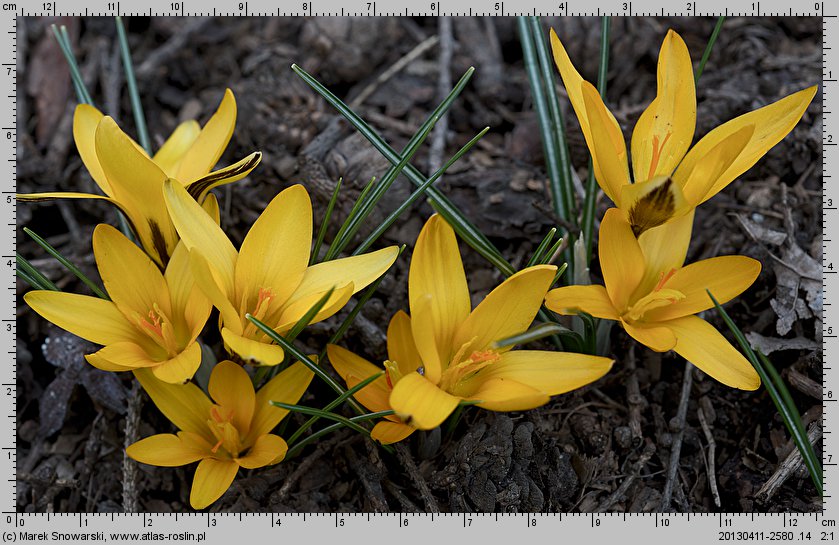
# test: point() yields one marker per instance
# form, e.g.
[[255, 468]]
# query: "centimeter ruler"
[[412, 528]]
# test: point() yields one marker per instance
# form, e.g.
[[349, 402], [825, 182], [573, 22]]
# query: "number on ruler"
[[689, 6], [433, 6], [305, 6], [497, 6], [175, 6], [48, 6], [625, 6], [241, 6], [112, 6]]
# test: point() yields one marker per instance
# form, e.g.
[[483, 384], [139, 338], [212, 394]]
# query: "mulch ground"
[[605, 447]]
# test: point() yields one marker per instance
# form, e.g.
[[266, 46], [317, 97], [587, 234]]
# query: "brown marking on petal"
[[653, 209], [159, 243], [196, 188]]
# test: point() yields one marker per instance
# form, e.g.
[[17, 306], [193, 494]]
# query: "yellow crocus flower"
[[445, 352], [133, 181], [655, 298], [152, 320], [269, 277], [671, 177], [229, 431]]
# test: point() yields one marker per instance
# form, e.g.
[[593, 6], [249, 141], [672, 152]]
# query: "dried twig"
[[712, 453], [172, 47], [790, 465], [413, 472], [444, 85], [634, 397], [129, 466], [676, 448], [619, 492]]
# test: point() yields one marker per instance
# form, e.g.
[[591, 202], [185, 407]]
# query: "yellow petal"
[[172, 152], [252, 351], [503, 394], [658, 337], [400, 344], [73, 313], [664, 131], [287, 387], [199, 231], [422, 329], [132, 280], [361, 270], [212, 479], [208, 282], [231, 387], [211, 143], [569, 300], [420, 403], [52, 195], [697, 182], [664, 248], [182, 367], [166, 450], [227, 175], [550, 372], [508, 310], [725, 276], [355, 369], [436, 280], [267, 449], [292, 313], [210, 206], [190, 307], [85, 120], [652, 203], [702, 345], [621, 260], [771, 124], [185, 405], [275, 252], [121, 356], [136, 183], [606, 143], [387, 432]]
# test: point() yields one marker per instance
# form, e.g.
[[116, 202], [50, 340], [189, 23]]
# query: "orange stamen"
[[657, 149], [216, 447], [387, 378], [664, 278], [153, 325]]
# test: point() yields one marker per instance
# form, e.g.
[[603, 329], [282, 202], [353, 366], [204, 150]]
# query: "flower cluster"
[[443, 353]]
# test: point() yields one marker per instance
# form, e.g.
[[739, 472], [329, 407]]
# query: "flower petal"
[[664, 248], [132, 280], [252, 351], [73, 312], [182, 367], [172, 152], [771, 124], [420, 403], [212, 479], [268, 449], [659, 338], [436, 280], [621, 260], [664, 131], [185, 405], [287, 387], [199, 232], [208, 282], [355, 369], [227, 175], [503, 394], [726, 277], [606, 143], [400, 344], [702, 345], [508, 310], [275, 252], [653, 203], [211, 143], [292, 313], [190, 307], [121, 356], [697, 182], [387, 432], [210, 206], [569, 300], [231, 387], [166, 450], [422, 329], [550, 372], [85, 120]]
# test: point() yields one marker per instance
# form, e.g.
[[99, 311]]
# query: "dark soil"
[[570, 455]]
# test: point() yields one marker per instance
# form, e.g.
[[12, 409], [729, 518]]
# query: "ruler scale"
[[418, 527]]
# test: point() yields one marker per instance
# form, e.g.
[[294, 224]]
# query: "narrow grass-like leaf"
[[307, 318], [559, 272], [63, 39], [539, 253], [536, 333], [324, 224], [591, 183], [708, 47], [131, 83], [64, 261], [333, 250], [418, 192], [553, 252], [332, 404], [295, 450], [32, 275], [304, 359], [311, 411], [462, 226], [778, 392]]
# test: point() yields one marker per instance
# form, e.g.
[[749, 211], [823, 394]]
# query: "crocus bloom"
[[229, 431], [445, 352], [152, 320], [133, 182], [655, 299], [671, 177], [269, 277]]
